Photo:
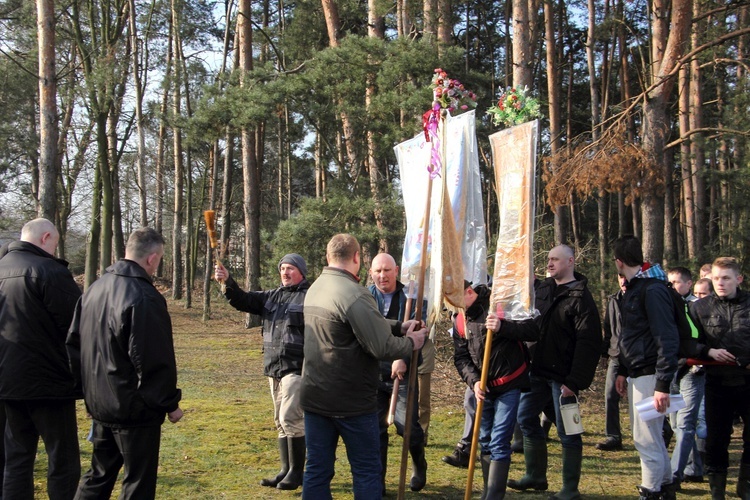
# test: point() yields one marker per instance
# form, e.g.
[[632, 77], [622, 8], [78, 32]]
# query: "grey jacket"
[[345, 336]]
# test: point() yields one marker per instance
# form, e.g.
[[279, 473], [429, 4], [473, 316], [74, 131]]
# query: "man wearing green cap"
[[283, 348]]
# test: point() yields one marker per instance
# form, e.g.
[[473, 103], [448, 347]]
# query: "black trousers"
[[137, 448], [722, 404], [55, 422]]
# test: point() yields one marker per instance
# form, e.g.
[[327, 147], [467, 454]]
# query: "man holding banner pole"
[[563, 362]]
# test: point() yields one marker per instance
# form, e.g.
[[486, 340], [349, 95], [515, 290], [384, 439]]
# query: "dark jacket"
[[611, 326], [570, 333], [649, 341], [509, 367], [37, 299], [725, 324], [120, 347], [395, 312], [345, 337], [283, 324]]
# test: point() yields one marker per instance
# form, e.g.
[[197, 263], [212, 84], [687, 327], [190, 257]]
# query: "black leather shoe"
[[609, 444], [692, 479], [458, 458]]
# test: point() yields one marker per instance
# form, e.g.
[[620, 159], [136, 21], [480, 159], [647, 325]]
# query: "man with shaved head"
[[391, 299], [37, 300], [563, 363]]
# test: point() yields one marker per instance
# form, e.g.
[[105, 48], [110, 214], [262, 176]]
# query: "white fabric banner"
[[461, 168]]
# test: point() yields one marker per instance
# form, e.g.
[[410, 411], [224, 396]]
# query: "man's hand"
[[566, 392], [417, 333], [398, 369], [722, 355], [661, 401], [493, 322], [175, 416], [478, 392], [621, 385], [406, 325], [220, 273]]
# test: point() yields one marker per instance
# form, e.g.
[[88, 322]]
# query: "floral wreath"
[[514, 107], [447, 94]]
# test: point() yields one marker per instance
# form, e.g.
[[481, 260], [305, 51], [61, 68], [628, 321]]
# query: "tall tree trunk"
[[445, 22], [160, 148], [179, 168], [250, 167], [522, 50], [670, 30], [140, 132], [688, 200], [697, 145], [553, 92], [48, 126]]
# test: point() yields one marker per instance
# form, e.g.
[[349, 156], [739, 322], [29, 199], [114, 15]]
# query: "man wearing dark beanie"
[[283, 347]]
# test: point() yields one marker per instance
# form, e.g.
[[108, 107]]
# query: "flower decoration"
[[448, 95], [514, 107], [451, 94]]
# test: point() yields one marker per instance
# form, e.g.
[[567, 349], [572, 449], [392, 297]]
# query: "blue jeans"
[[360, 436], [498, 421], [692, 387], [532, 403]]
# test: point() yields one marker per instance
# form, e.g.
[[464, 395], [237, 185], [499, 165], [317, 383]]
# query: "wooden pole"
[[415, 354], [478, 414]]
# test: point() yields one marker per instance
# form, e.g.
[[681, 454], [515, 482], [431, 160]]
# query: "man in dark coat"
[[563, 363], [37, 299], [121, 350], [283, 352]]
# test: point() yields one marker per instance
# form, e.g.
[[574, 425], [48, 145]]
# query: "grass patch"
[[226, 442]]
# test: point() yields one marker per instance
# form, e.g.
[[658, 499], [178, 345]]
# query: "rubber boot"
[[486, 460], [647, 494], [297, 451], [498, 478], [284, 454], [419, 470], [517, 445], [669, 491], [571, 474], [535, 456], [718, 485], [743, 482]]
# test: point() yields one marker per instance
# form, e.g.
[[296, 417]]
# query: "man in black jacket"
[[37, 299], [121, 350], [563, 363], [724, 318], [283, 352]]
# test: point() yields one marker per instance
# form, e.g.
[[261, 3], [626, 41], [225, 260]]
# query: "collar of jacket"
[[343, 272], [130, 269], [25, 246]]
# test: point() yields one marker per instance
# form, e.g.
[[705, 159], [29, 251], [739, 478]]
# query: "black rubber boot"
[[419, 470], [571, 475], [743, 482], [647, 494], [498, 478], [535, 456], [297, 451], [718, 485], [284, 454], [485, 460], [669, 491], [517, 445]]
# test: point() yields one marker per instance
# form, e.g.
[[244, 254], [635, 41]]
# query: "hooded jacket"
[[283, 324], [121, 350], [570, 333], [508, 368], [37, 299], [649, 340]]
